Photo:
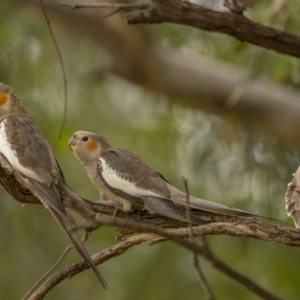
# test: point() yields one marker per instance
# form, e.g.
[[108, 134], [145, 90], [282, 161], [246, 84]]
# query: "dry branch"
[[185, 13], [48, 272], [217, 225], [201, 85], [233, 24], [155, 235], [233, 226], [5, 12], [63, 71], [195, 259]]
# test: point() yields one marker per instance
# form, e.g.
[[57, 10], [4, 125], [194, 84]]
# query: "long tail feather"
[[170, 209], [67, 227], [51, 199]]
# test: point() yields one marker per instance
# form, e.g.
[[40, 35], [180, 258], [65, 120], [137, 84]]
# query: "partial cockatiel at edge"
[[292, 198], [35, 169], [130, 183]]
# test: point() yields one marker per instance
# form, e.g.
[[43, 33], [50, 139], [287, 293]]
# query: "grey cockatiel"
[[129, 182], [29, 169], [292, 198]]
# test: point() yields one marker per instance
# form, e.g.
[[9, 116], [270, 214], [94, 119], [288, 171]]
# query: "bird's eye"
[[85, 138]]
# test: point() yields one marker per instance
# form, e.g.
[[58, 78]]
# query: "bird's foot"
[[90, 225], [143, 212], [137, 214]]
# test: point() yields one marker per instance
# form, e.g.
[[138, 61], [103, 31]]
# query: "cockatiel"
[[292, 198], [129, 182], [29, 168]]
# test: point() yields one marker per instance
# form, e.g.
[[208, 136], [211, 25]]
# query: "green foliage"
[[223, 161]]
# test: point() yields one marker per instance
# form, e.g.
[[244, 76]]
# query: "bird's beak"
[[71, 143]]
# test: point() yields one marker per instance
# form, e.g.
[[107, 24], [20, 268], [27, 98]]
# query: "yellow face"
[[84, 146], [84, 141]]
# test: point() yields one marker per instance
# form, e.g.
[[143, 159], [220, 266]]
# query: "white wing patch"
[[115, 180], [11, 155]]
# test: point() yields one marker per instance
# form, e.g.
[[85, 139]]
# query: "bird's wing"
[[28, 152], [126, 172], [158, 205], [25, 148], [169, 209]]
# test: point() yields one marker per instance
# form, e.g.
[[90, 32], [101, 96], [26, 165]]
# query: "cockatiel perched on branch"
[[29, 161], [129, 182], [292, 198]]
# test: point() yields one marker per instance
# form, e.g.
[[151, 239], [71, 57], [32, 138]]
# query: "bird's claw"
[[90, 225]]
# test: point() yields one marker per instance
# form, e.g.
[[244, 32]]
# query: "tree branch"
[[156, 235], [185, 13], [233, 226], [5, 12], [63, 71], [202, 85], [204, 283], [236, 25], [48, 272]]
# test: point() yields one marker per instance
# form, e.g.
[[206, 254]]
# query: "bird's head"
[[8, 101], [86, 146]]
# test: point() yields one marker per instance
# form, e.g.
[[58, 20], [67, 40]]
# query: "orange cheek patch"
[[3, 99], [91, 145]]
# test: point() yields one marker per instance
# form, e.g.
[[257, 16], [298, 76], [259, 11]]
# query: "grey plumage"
[[130, 183], [35, 170], [292, 198]]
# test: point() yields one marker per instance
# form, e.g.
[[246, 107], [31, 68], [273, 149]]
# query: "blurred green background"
[[224, 161]]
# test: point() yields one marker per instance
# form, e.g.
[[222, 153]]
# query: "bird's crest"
[[92, 145]]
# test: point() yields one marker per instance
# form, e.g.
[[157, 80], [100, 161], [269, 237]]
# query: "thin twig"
[[218, 264], [62, 66], [112, 12], [160, 235], [45, 275], [120, 6], [59, 260], [117, 7], [194, 86], [5, 11], [106, 254], [195, 260]]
